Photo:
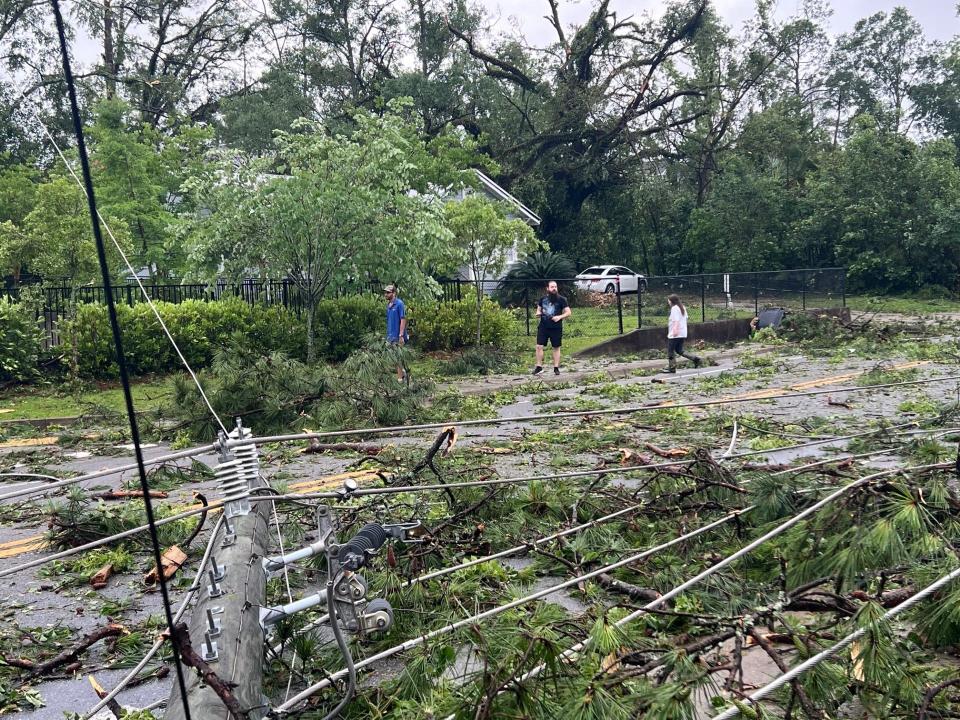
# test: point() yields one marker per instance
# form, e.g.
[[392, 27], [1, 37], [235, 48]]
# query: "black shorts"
[[554, 334]]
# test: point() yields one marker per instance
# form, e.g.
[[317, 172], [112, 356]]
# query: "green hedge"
[[343, 324], [200, 329], [453, 325], [20, 339]]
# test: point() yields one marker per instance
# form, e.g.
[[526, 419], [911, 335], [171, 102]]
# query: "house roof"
[[525, 213]]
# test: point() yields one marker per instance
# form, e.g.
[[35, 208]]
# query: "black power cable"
[[118, 342]]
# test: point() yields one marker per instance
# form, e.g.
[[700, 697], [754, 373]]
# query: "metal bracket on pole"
[[209, 653], [276, 563]]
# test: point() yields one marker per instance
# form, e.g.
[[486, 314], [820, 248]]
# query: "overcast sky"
[[938, 17]]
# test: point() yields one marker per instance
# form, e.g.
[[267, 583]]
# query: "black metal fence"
[[622, 304]]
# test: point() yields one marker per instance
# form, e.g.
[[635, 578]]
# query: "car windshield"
[[593, 271]]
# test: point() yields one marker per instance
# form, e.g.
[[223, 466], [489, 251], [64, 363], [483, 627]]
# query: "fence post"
[[640, 289], [843, 286], [619, 308], [703, 298], [756, 296], [526, 304], [803, 290]]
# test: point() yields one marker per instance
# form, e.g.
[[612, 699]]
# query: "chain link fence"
[[626, 302]]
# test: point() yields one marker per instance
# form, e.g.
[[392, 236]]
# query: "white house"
[[497, 194]]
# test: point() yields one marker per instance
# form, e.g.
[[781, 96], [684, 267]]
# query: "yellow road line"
[[33, 543], [19, 547]]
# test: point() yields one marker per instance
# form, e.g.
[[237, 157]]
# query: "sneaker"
[[556, 371], [670, 370], [538, 370]]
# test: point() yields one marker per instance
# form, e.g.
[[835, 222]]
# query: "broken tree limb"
[[224, 690], [634, 592], [316, 447], [445, 441], [67, 656], [99, 579], [128, 494], [668, 453], [808, 707], [113, 706]]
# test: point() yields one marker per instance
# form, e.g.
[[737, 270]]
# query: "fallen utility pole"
[[224, 628]]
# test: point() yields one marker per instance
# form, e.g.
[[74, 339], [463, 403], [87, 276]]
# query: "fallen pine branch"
[[691, 648], [316, 447], [808, 707], [635, 592], [128, 494], [67, 656]]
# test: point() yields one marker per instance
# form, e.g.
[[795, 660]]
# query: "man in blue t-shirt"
[[396, 323]]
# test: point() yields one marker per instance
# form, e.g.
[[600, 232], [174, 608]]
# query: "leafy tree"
[[17, 192], [577, 119], [937, 101], [876, 66], [132, 183], [58, 227], [887, 208], [250, 120], [485, 235], [747, 221], [345, 212]]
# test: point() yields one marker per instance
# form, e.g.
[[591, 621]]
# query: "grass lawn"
[[33, 402], [910, 306]]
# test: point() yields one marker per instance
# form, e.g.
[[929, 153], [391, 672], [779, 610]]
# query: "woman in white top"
[[676, 334]]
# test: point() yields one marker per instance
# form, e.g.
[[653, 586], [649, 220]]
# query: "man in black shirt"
[[552, 309]]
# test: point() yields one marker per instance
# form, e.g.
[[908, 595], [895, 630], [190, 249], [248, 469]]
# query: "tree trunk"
[[311, 307], [109, 53], [479, 308]]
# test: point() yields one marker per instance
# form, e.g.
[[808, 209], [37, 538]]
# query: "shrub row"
[[453, 325], [20, 342], [201, 328]]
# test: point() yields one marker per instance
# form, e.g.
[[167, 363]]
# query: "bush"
[[934, 292], [453, 325], [20, 342], [200, 329], [342, 324]]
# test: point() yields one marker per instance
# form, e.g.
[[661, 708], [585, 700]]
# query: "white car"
[[606, 278]]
